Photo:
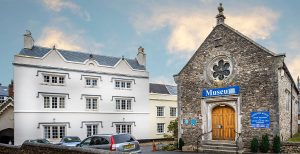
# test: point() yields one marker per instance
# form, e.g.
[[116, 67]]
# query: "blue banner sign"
[[193, 122], [260, 119], [232, 90]]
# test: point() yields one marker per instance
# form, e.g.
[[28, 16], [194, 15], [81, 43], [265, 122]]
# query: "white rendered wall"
[[29, 106], [161, 100]]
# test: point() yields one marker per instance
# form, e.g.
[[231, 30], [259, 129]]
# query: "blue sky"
[[169, 30]]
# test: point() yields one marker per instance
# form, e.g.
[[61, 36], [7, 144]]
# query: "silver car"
[[112, 142], [71, 141]]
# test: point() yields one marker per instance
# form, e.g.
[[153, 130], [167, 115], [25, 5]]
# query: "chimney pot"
[[28, 40]]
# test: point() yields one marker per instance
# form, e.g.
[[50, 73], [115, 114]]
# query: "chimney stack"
[[141, 56], [28, 40], [11, 89]]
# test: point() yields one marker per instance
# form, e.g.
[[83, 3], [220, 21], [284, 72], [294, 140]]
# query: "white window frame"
[[172, 111], [90, 105], [60, 80], [123, 104], [93, 82], [50, 134], [160, 113], [124, 128], [54, 102], [2, 99], [91, 129], [160, 128], [123, 84]]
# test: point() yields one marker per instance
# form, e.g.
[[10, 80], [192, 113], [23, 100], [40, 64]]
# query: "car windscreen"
[[121, 138], [71, 139]]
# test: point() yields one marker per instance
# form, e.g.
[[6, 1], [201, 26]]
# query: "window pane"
[[128, 104], [123, 128], [117, 84], [89, 130], [54, 132], [94, 82], [95, 129], [118, 129], [61, 80], [54, 102], [129, 129], [123, 106], [46, 78], [61, 102], [94, 103], [160, 111], [46, 102], [47, 131], [54, 79], [62, 132], [118, 104], [88, 82], [160, 127], [128, 85], [88, 103], [122, 84]]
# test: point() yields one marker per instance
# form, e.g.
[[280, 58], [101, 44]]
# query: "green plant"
[[173, 128], [169, 147], [180, 144], [254, 145], [276, 144], [264, 146]]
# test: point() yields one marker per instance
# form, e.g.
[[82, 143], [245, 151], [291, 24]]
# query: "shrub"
[[173, 128], [181, 143], [264, 146], [169, 147], [254, 145], [276, 144]]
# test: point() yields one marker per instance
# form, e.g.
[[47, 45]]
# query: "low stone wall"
[[290, 147], [36, 148]]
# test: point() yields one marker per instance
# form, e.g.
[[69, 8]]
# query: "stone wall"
[[254, 70], [35, 148], [289, 147]]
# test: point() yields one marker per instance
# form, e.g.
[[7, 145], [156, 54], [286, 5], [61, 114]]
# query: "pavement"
[[148, 149]]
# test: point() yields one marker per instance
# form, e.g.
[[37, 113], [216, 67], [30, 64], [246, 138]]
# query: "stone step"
[[214, 143], [219, 147], [219, 151]]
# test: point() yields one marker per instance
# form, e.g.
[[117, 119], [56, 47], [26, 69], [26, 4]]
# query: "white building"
[[163, 108], [59, 92]]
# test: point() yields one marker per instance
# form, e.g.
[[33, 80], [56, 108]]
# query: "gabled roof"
[[3, 91], [162, 89], [81, 57]]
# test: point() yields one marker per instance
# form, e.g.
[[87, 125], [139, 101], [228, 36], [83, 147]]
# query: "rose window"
[[221, 70]]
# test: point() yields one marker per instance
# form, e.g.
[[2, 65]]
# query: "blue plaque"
[[193, 122], [186, 121], [260, 119], [232, 90]]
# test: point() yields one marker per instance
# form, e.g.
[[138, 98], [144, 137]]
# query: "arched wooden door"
[[223, 123]]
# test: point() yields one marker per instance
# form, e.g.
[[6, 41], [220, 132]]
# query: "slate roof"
[[162, 89], [75, 56], [3, 91]]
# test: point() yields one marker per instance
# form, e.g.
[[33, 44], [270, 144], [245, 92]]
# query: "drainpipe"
[[291, 110]]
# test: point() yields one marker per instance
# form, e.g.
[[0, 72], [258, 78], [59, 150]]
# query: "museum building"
[[233, 89]]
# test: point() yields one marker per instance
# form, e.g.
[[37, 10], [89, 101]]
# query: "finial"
[[27, 32], [54, 48], [91, 56], [220, 17], [123, 58]]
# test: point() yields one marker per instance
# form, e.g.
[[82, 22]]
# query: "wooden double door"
[[223, 123]]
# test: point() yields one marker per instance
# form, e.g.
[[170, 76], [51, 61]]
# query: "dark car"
[[112, 142], [43, 141], [71, 141]]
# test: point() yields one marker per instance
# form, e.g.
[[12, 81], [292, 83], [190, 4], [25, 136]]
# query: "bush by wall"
[[264, 146], [276, 144], [181, 144], [254, 145]]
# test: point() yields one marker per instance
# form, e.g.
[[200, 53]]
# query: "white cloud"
[[58, 5], [69, 41], [189, 28], [163, 80], [294, 67]]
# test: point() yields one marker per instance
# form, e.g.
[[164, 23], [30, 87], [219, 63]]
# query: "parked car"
[[43, 141], [71, 141], [112, 142]]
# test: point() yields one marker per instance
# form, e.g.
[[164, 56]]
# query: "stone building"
[[233, 89]]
